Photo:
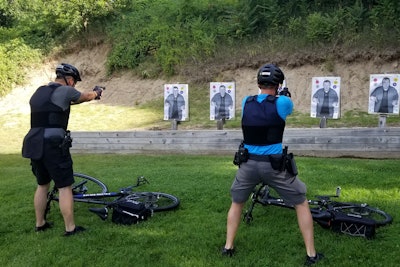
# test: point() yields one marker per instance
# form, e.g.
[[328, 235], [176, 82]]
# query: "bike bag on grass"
[[128, 211], [353, 225]]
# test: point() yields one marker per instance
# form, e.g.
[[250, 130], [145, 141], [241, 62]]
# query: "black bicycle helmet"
[[65, 69], [270, 74]]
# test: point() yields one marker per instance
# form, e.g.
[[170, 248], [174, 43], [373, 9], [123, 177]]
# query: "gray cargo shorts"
[[251, 173]]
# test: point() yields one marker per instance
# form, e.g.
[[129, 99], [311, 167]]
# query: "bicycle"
[[346, 218], [91, 190]]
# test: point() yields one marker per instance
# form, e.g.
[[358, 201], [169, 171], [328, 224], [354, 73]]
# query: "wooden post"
[[323, 122], [174, 124], [382, 120], [220, 124]]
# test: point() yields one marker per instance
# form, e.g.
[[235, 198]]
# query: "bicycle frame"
[[320, 213], [270, 200], [91, 198], [94, 198]]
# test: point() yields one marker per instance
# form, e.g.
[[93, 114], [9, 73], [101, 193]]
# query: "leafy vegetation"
[[15, 56], [164, 37], [32, 30]]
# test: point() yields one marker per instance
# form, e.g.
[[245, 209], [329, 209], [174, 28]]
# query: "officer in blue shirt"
[[263, 124]]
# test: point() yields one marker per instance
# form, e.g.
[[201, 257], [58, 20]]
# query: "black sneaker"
[[44, 227], [77, 229], [313, 260], [228, 252]]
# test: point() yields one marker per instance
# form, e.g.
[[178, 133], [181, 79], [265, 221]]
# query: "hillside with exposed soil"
[[127, 89]]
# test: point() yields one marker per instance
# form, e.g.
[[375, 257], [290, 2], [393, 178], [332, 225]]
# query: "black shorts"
[[55, 165]]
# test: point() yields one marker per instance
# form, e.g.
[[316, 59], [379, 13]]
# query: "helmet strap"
[[66, 81], [277, 89]]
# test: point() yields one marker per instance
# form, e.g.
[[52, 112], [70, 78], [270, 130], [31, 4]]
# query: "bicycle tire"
[[84, 184], [156, 201], [380, 217]]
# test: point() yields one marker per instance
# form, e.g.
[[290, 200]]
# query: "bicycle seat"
[[101, 212]]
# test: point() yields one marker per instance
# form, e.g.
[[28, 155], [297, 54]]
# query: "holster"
[[283, 162], [242, 155], [277, 162], [66, 142], [290, 164]]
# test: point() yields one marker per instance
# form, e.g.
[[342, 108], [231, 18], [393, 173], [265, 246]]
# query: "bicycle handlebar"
[[128, 190], [142, 180], [328, 197]]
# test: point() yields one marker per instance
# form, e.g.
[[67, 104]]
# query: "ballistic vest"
[[261, 123], [46, 114]]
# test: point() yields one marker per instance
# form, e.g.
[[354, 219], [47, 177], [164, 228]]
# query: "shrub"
[[319, 28], [16, 57]]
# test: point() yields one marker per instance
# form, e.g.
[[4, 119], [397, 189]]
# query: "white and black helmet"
[[65, 69], [270, 74]]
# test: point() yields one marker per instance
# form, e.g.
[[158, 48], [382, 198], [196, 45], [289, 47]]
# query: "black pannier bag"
[[128, 211], [353, 225]]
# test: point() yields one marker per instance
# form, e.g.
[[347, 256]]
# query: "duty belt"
[[259, 157]]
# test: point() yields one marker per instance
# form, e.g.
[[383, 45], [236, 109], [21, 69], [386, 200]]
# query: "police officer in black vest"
[[48, 141], [260, 159]]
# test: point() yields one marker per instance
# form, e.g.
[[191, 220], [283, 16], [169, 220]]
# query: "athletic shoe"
[[77, 229], [228, 252], [313, 260], [44, 227]]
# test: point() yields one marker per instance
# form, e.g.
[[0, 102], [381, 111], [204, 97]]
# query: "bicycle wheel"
[[156, 201], [380, 217], [85, 184]]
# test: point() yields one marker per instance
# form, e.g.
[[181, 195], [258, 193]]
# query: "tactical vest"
[[46, 114], [261, 123]]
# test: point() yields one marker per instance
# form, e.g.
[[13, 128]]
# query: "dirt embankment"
[[127, 89]]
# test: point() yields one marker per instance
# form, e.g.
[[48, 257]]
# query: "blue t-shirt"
[[284, 106]]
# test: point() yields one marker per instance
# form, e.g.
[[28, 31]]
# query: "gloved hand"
[[99, 91]]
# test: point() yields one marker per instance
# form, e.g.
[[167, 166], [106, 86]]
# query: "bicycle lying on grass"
[[347, 218], [128, 206]]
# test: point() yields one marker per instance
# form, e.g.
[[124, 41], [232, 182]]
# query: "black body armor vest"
[[46, 114], [261, 123]]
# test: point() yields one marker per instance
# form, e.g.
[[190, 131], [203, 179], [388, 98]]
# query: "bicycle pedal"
[[248, 217]]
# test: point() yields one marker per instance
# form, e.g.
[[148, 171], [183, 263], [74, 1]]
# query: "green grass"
[[193, 234]]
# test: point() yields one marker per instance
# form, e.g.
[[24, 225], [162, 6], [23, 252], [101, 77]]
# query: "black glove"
[[285, 92], [99, 91]]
